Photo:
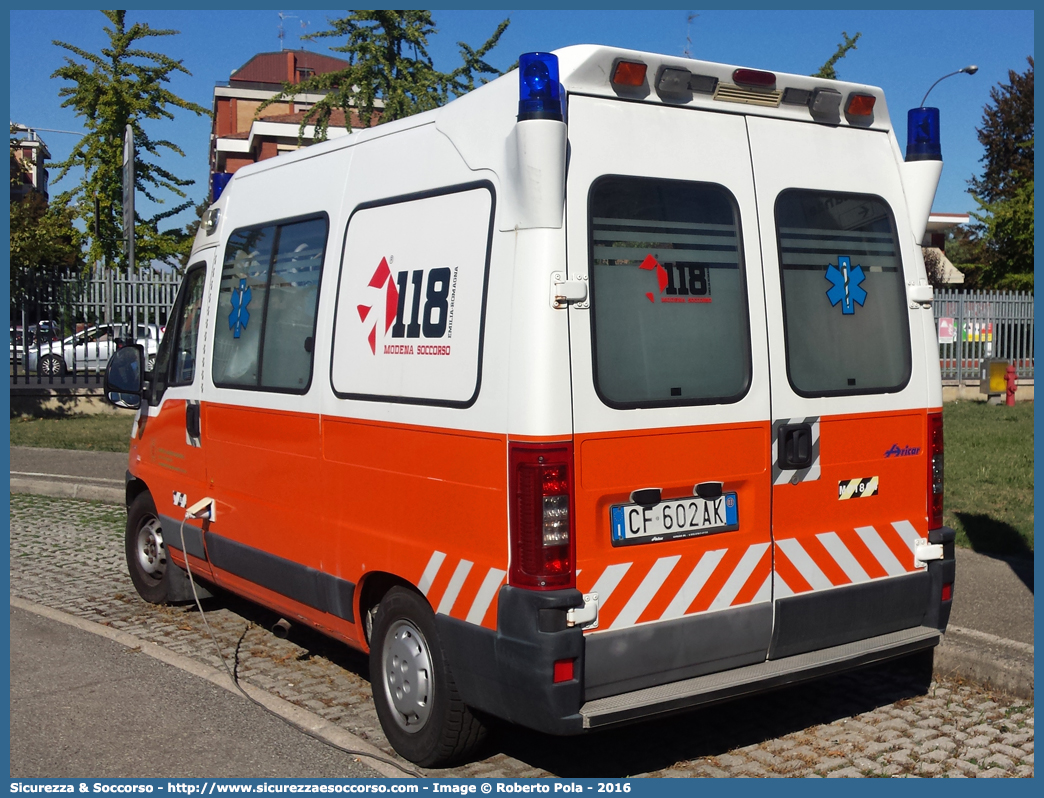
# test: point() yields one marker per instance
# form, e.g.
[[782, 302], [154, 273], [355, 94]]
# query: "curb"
[[979, 657], [320, 727], [102, 490], [994, 662]]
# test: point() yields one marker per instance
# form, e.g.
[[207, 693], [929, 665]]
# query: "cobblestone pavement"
[[881, 721]]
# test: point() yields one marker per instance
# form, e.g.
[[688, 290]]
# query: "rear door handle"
[[795, 446]]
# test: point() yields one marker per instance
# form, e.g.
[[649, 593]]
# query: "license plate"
[[674, 519]]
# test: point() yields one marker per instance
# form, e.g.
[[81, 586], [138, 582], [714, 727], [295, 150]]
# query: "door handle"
[[192, 420], [795, 446]]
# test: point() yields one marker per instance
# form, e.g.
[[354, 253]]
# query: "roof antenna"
[[282, 32], [687, 52]]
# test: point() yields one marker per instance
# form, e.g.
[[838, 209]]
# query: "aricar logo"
[[431, 322], [902, 451]]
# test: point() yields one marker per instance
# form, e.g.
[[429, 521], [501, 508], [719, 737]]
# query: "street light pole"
[[968, 70]]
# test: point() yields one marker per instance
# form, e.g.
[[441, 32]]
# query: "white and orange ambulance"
[[606, 390]]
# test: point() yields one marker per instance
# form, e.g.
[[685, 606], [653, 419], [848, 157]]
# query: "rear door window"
[[668, 297], [844, 294]]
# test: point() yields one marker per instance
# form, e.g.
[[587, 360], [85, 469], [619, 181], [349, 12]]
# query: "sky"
[[903, 52]]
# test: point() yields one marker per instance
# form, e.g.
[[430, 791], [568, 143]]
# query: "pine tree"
[[827, 70], [391, 74], [123, 84]]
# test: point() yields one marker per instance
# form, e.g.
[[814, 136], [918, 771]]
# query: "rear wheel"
[[52, 366], [413, 689], [146, 553]]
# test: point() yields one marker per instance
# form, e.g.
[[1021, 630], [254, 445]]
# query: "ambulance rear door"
[[849, 389], [670, 393]]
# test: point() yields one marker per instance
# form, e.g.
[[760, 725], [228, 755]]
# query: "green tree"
[[827, 70], [123, 84], [1006, 231], [391, 75], [1004, 192], [44, 244]]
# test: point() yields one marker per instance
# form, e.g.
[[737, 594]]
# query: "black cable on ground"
[[234, 676]]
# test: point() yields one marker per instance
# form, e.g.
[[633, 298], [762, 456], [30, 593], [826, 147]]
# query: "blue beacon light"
[[539, 91], [922, 135]]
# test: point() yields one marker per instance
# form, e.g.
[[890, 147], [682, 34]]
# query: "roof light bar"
[[629, 73], [539, 93]]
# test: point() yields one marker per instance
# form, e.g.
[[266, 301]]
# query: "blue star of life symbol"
[[846, 289], [240, 316]]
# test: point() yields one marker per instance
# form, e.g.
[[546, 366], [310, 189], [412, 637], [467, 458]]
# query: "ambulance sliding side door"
[[848, 386]]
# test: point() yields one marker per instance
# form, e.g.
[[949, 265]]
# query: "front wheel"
[[146, 553], [413, 689]]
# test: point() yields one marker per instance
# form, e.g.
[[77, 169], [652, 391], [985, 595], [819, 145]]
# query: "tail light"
[[935, 470], [755, 78], [543, 548]]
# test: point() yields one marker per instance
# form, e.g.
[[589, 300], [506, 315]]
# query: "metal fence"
[[975, 325], [66, 325]]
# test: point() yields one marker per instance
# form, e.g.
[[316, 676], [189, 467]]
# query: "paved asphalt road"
[[84, 706]]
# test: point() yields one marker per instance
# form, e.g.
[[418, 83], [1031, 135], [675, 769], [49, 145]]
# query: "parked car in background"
[[88, 349], [149, 335], [27, 338]]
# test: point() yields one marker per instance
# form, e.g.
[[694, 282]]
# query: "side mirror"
[[125, 377]]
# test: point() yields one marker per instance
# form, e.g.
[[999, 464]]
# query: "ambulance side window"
[[668, 297], [267, 306], [181, 338], [844, 294]]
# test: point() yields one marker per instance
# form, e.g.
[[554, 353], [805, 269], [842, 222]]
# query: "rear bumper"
[[508, 672], [767, 675]]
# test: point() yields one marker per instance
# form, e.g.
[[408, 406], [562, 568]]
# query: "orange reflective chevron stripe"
[[460, 589], [832, 559], [670, 587]]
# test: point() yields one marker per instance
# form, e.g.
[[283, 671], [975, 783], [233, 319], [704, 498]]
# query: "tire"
[[52, 366], [413, 690], [146, 554], [150, 363]]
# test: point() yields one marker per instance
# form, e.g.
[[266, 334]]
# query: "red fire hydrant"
[[1010, 379]]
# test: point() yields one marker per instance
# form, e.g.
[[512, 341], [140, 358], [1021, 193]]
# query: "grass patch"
[[101, 432], [989, 476]]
